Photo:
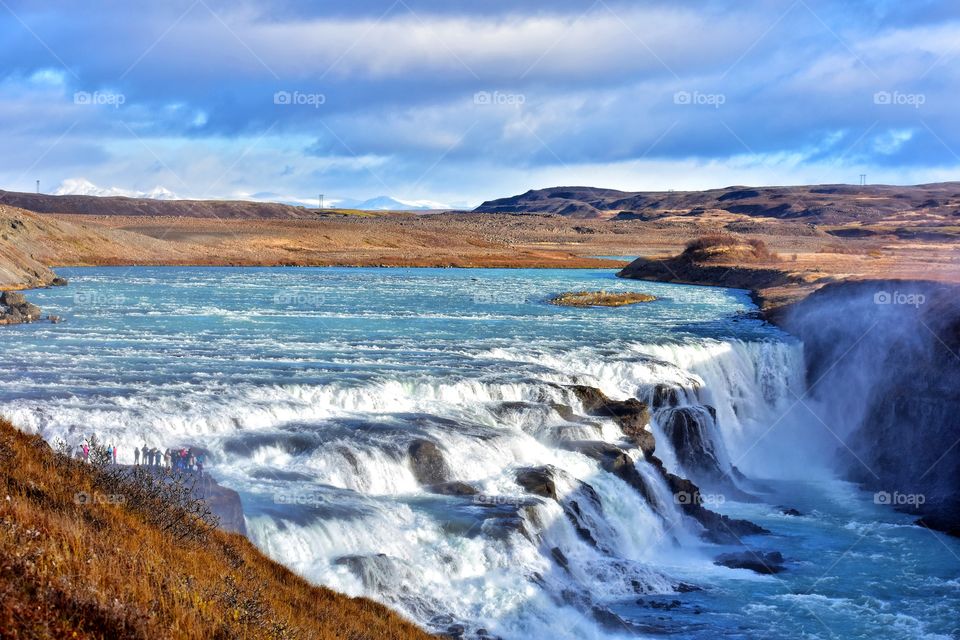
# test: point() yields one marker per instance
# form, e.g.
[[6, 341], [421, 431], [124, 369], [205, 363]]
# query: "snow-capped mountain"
[[83, 187]]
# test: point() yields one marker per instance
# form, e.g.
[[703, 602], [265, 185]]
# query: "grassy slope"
[[71, 570]]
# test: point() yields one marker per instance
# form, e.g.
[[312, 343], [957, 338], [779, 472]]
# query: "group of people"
[[183, 459], [86, 450]]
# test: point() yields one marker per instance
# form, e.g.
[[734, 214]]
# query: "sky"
[[455, 102]]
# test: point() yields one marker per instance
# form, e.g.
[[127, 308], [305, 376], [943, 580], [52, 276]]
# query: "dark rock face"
[[631, 415], [756, 561], [690, 432], [665, 396], [882, 356], [427, 463], [224, 503]]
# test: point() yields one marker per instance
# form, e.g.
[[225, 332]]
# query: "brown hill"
[[120, 206], [106, 565], [29, 242], [820, 204]]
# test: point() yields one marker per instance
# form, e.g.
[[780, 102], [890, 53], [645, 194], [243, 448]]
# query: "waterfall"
[[330, 488]]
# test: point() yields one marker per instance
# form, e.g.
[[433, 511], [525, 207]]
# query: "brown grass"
[[105, 570], [600, 299], [720, 245]]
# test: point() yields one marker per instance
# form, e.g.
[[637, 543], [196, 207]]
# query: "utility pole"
[[321, 201], [863, 179], [38, 186]]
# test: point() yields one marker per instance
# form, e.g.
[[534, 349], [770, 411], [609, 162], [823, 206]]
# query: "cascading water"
[[416, 436]]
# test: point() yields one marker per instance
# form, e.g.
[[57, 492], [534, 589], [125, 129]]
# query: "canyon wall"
[[883, 367]]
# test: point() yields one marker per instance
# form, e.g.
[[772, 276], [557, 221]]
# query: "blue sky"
[[457, 102]]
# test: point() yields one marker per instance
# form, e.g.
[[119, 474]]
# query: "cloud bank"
[[458, 103]]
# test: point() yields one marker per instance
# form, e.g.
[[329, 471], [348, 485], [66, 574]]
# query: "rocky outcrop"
[[576, 505], [688, 430], [427, 463], [14, 309], [223, 502], [884, 358], [631, 415], [757, 561], [664, 396]]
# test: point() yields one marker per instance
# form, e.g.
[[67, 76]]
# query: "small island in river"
[[600, 299]]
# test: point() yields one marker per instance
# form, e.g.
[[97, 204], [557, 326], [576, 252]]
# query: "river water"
[[309, 385]]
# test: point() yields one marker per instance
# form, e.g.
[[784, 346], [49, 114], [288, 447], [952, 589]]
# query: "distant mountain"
[[386, 203], [83, 187], [823, 204]]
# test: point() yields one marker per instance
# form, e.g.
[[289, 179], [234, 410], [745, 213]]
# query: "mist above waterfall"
[[883, 361]]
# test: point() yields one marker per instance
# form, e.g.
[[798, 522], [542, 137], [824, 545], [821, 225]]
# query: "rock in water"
[[14, 309], [538, 481], [756, 561], [427, 463], [452, 489]]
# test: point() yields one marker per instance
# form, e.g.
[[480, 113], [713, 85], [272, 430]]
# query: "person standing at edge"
[[136, 456]]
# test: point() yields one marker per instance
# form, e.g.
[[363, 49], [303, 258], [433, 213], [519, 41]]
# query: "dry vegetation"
[[117, 568], [724, 246], [600, 299]]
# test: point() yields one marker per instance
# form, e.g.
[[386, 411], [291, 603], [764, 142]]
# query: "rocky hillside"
[[29, 242], [83, 555], [120, 206], [821, 204]]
